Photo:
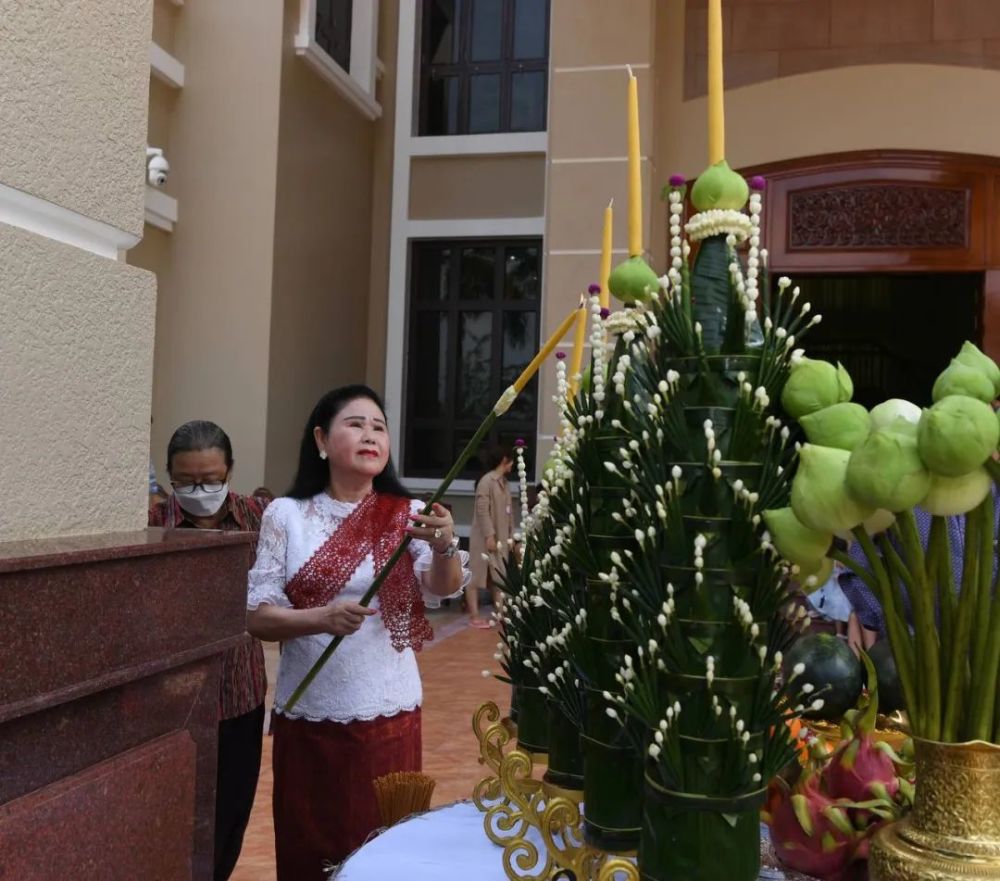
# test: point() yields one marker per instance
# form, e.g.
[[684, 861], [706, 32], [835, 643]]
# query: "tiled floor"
[[454, 687]]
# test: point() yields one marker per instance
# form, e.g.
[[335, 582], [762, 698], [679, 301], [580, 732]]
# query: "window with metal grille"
[[483, 66], [473, 314]]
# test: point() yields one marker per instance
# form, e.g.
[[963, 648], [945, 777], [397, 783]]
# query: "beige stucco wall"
[[76, 338], [460, 187], [918, 107], [165, 17], [213, 319], [73, 113], [322, 240]]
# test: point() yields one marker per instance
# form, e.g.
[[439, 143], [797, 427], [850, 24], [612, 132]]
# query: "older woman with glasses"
[[200, 465]]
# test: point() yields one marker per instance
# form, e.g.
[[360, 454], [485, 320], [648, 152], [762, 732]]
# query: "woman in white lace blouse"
[[319, 550]]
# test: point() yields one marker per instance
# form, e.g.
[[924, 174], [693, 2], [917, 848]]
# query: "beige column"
[[76, 332], [592, 43]]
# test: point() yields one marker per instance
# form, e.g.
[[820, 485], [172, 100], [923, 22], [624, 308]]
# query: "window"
[[473, 328], [337, 38], [333, 30], [483, 66]]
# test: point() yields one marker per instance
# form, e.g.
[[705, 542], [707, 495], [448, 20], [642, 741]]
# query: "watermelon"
[[833, 670], [890, 691]]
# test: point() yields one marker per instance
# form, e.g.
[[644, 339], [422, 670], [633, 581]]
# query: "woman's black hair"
[[199, 434], [313, 474], [495, 454]]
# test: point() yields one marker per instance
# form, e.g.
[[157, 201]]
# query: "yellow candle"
[[576, 362], [634, 170], [716, 88], [546, 350], [606, 258]]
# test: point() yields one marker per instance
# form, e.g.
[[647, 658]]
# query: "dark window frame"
[[509, 426], [464, 69]]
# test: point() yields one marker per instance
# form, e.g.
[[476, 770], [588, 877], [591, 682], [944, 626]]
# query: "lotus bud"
[[632, 281], [845, 382], [972, 357], [958, 379], [796, 542], [812, 578], [819, 492], [843, 426], [879, 522], [950, 496], [957, 435], [814, 385], [718, 186], [886, 470], [895, 408]]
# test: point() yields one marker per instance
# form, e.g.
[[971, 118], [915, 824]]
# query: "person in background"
[[319, 552], [492, 526], [200, 464]]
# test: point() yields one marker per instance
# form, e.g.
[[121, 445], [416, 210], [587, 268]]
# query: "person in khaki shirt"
[[492, 526]]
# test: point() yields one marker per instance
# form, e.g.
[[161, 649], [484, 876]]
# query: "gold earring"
[[322, 454]]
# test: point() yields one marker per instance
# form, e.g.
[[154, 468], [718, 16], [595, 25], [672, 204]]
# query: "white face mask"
[[201, 503]]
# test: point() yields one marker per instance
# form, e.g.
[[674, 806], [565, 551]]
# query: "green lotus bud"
[[796, 542], [813, 578], [886, 471], [843, 426], [819, 491], [971, 356], [957, 379], [845, 383], [879, 522], [632, 281], [895, 408], [950, 496], [812, 386], [718, 186], [957, 435]]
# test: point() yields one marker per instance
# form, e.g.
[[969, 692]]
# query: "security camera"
[[157, 166]]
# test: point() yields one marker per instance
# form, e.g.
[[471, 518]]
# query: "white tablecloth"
[[446, 844]]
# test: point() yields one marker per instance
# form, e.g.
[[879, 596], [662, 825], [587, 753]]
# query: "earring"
[[322, 454]]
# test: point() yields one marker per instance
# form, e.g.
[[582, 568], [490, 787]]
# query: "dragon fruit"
[[811, 832]]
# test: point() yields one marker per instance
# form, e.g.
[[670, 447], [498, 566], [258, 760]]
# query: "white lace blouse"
[[366, 677]]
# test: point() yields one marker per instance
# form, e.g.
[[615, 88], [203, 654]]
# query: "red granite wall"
[[767, 39]]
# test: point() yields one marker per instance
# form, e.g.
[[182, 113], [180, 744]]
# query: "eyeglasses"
[[209, 486]]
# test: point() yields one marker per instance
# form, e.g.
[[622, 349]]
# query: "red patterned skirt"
[[324, 801]]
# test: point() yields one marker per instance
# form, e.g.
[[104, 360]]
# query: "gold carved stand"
[[539, 826]]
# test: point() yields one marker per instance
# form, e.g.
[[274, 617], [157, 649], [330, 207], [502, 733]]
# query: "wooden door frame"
[[887, 211]]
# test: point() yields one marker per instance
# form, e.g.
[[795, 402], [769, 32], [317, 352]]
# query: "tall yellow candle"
[[576, 362], [606, 257], [716, 87], [634, 170], [546, 350]]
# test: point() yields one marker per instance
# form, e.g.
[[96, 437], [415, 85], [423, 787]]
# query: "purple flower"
[[593, 289], [605, 312], [520, 442], [677, 180], [757, 183], [560, 355]]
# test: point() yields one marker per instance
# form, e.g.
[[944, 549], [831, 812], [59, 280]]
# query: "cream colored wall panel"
[[566, 278], [322, 243], [459, 187], [165, 25], [855, 108], [72, 119], [77, 344], [162, 108], [578, 195], [213, 321], [588, 32], [580, 99]]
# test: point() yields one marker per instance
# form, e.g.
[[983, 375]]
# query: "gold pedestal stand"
[[538, 825]]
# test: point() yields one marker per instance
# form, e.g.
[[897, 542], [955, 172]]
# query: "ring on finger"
[[438, 533]]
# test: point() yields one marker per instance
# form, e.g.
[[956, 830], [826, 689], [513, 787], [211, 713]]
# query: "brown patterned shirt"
[[244, 681]]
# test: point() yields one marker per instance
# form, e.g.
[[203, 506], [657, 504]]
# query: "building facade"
[[410, 193]]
